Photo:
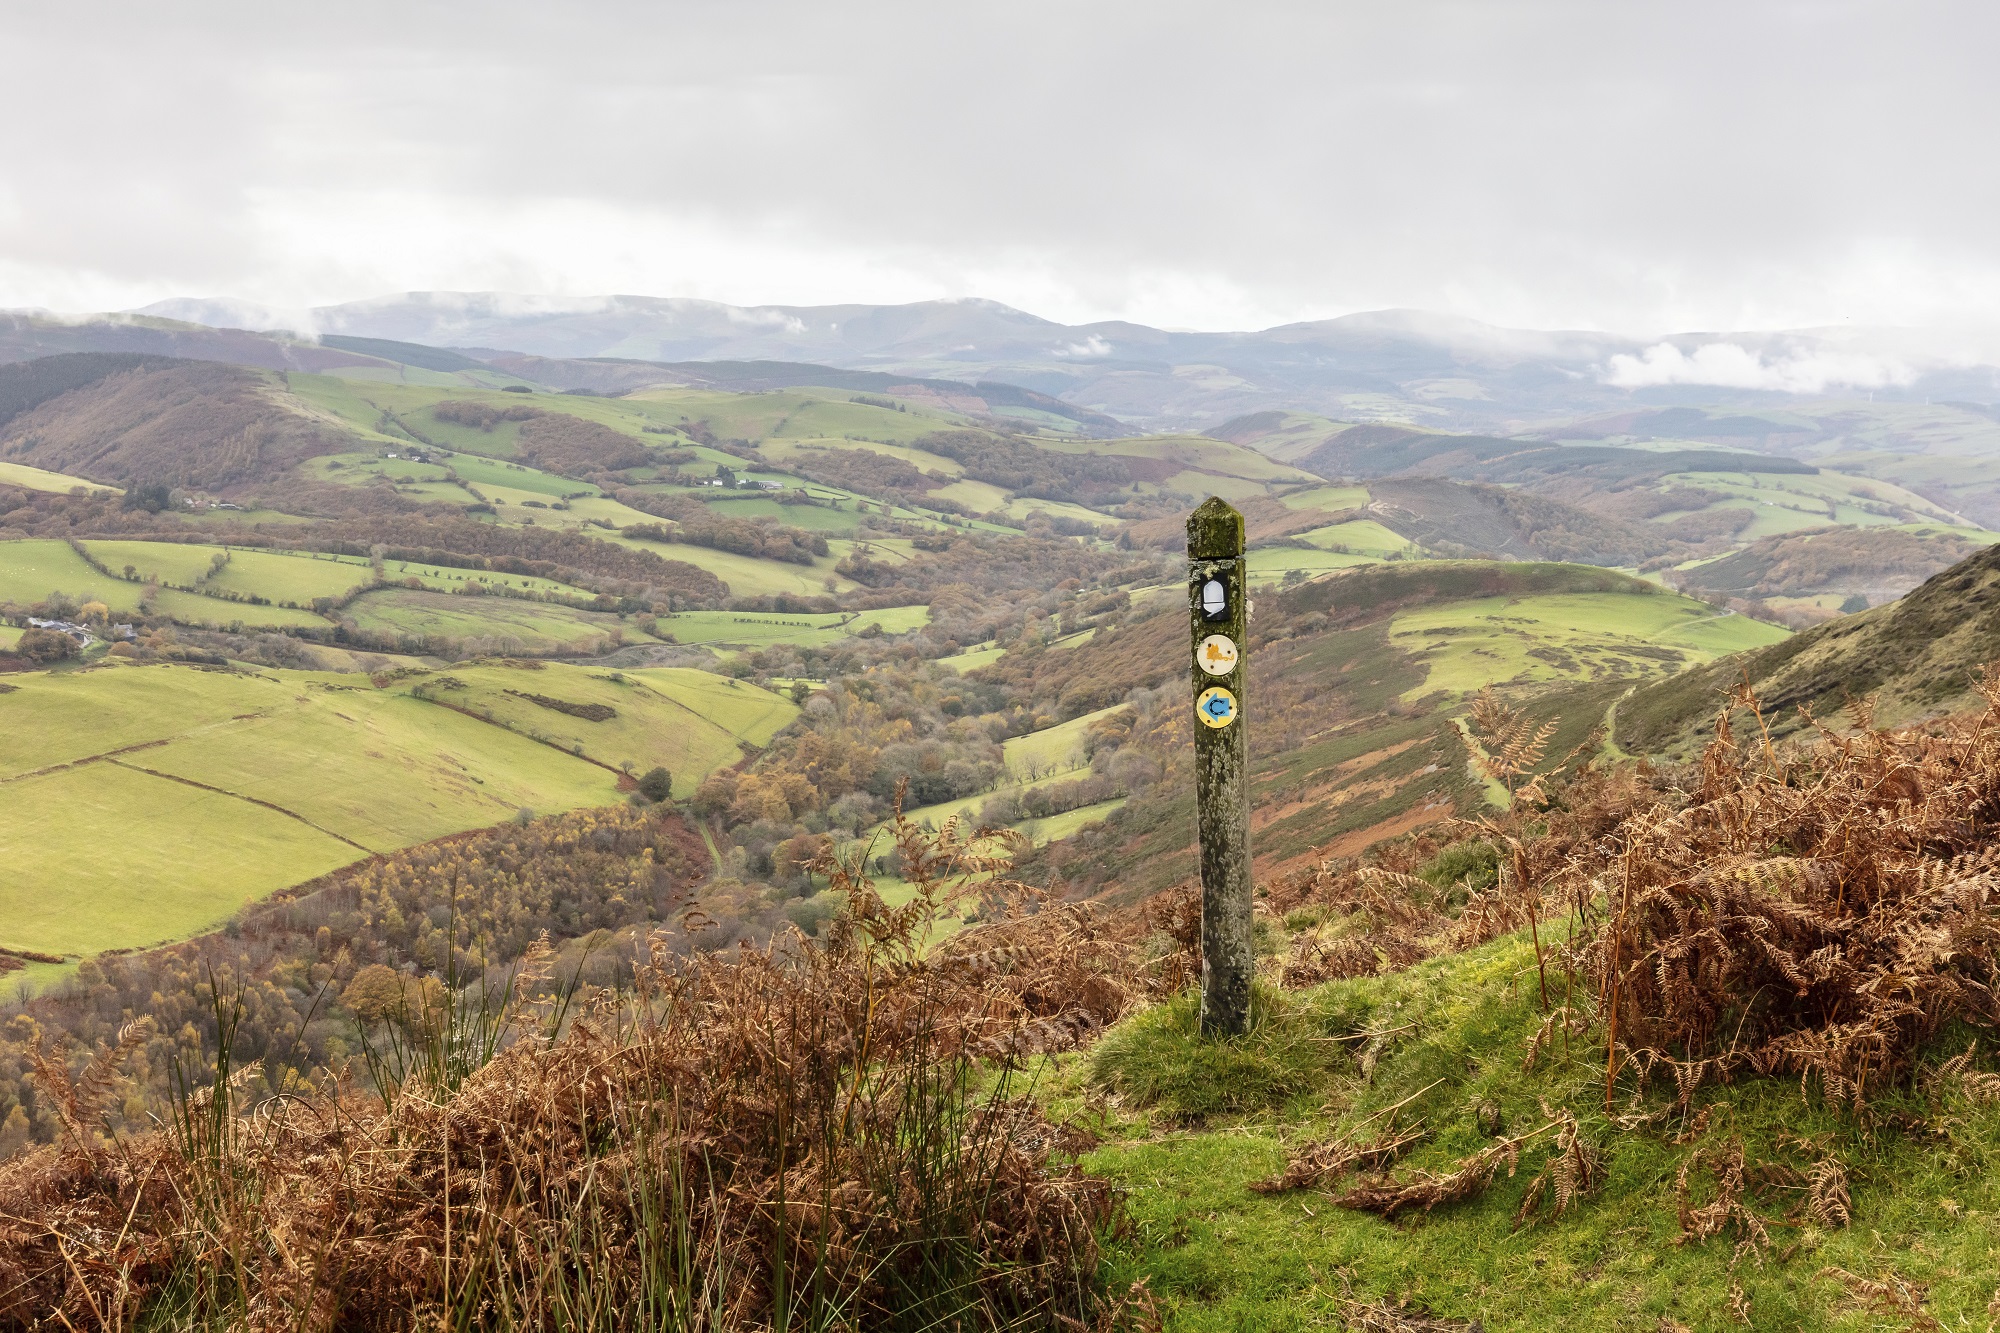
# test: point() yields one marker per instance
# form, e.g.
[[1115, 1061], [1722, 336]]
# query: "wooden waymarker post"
[[1218, 609]]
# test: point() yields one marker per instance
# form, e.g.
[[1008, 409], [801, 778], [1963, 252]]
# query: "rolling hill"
[[1917, 657]]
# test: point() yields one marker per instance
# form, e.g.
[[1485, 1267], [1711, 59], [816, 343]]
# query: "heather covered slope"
[[178, 424]]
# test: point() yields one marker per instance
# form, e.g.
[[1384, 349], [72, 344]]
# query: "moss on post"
[[1218, 618]]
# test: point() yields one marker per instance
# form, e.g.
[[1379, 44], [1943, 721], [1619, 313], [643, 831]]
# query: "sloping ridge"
[[1918, 657], [159, 421], [621, 375], [1461, 518]]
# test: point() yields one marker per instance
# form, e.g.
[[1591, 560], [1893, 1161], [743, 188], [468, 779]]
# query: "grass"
[[104, 856], [533, 626], [1055, 828], [1270, 564], [1788, 502], [30, 570], [1332, 499], [1053, 749], [688, 722], [747, 576], [1575, 636], [109, 843], [972, 659], [37, 479], [1363, 536], [1195, 1123], [382, 770], [761, 629]]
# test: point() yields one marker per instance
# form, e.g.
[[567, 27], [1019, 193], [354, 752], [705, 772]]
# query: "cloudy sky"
[[1641, 167]]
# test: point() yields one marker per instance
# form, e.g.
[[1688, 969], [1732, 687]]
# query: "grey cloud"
[[1640, 167]]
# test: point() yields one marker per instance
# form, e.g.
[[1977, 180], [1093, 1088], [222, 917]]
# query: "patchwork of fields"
[[148, 802]]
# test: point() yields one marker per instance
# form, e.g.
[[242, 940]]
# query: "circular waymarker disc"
[[1216, 654], [1215, 706]]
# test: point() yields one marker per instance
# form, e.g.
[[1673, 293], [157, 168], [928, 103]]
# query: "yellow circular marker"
[[1216, 654], [1215, 706]]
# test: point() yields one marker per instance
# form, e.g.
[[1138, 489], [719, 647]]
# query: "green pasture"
[[145, 803], [1362, 536], [972, 659], [284, 577], [30, 570], [1569, 636], [9, 636], [169, 562], [811, 517], [688, 722], [104, 857], [760, 629], [740, 708], [382, 770], [746, 575], [981, 497], [1331, 499], [1784, 502], [1053, 749], [59, 718], [36, 479], [1203, 484], [1270, 564], [533, 626], [809, 414], [1042, 832], [423, 481], [483, 472]]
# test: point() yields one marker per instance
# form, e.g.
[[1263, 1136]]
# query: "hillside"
[[1811, 576], [1917, 657], [186, 424]]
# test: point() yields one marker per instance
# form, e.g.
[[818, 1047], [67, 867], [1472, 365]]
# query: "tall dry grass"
[[816, 1135]]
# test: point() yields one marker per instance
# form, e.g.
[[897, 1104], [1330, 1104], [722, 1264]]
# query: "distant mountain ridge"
[[1395, 365]]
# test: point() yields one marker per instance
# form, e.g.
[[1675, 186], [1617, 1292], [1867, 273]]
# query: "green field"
[[31, 570], [104, 857], [1054, 749], [513, 624], [146, 803], [760, 629], [1270, 564], [381, 770], [1042, 832], [1362, 536], [746, 575], [972, 659], [688, 722], [1569, 636], [1332, 499], [35, 479]]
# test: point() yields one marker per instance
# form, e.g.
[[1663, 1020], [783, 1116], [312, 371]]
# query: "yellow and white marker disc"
[[1216, 654], [1215, 706]]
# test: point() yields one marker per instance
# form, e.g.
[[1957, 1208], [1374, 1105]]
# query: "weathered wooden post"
[[1218, 609]]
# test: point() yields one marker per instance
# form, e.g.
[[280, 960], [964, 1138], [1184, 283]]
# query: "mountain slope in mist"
[[1395, 365]]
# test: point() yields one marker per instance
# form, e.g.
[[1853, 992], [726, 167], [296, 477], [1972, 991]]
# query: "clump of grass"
[[1160, 1059]]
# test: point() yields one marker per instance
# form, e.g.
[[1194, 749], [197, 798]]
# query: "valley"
[[385, 664]]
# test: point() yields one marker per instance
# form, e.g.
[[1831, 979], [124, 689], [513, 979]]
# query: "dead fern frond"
[[1890, 1294]]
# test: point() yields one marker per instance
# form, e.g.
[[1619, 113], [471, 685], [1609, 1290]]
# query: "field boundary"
[[253, 800]]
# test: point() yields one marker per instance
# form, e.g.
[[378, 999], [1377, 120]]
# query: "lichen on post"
[[1218, 608]]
